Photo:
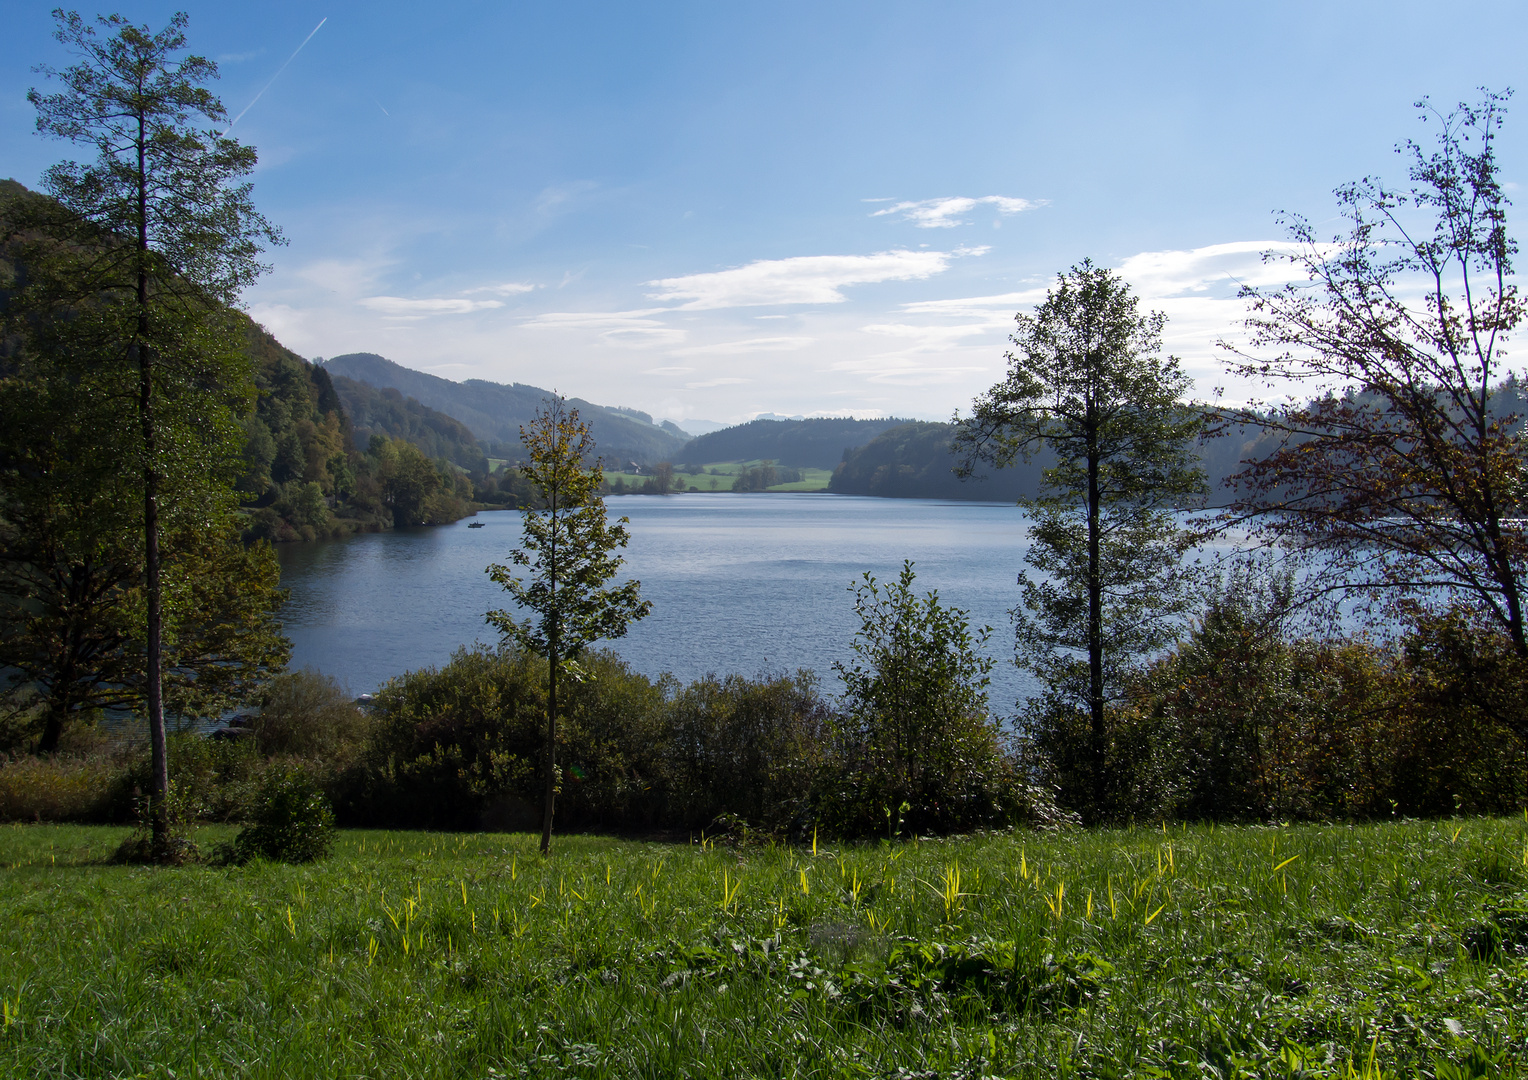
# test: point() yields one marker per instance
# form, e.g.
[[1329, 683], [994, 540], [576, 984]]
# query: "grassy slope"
[[1233, 952]]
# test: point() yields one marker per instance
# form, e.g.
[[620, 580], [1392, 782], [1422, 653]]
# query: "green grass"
[[1311, 951]]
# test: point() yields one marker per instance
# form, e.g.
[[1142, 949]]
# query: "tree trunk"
[[1095, 631], [550, 799], [154, 690]]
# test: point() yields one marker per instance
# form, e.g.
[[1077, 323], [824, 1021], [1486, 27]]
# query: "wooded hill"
[[801, 444], [913, 461], [494, 412]]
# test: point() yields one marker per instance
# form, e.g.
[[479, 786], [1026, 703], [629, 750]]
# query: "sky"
[[712, 211]]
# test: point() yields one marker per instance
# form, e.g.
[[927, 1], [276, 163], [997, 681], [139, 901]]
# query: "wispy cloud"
[[946, 213], [509, 288], [403, 308], [632, 329], [708, 383], [805, 279], [750, 345], [1172, 273], [670, 370]]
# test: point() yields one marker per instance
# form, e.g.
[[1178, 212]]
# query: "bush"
[[448, 745], [752, 749], [289, 822], [306, 714], [915, 747], [1245, 722]]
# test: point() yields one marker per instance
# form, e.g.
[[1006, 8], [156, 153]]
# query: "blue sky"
[[715, 210]]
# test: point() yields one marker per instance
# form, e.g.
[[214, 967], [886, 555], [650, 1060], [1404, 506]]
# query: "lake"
[[744, 584]]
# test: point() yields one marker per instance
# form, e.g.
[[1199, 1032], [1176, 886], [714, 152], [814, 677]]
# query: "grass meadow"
[[1374, 950], [719, 476]]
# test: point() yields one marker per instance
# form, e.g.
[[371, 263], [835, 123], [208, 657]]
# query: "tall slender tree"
[[1086, 381], [570, 548], [161, 237]]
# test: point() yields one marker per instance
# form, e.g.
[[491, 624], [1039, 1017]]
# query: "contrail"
[[276, 76]]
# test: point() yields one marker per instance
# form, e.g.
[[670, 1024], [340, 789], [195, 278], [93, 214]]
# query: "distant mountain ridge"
[[802, 444], [494, 412]]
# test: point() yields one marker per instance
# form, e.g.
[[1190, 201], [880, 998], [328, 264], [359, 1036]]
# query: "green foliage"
[[915, 460], [571, 553], [388, 413], [290, 820], [915, 747], [752, 749], [1246, 720], [818, 442], [1086, 383], [760, 478], [494, 412], [84, 788], [305, 714], [450, 745]]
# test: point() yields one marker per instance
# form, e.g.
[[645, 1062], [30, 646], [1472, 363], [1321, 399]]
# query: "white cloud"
[[805, 279], [1226, 266], [751, 345], [999, 307], [403, 308], [708, 383], [670, 370], [946, 213], [643, 337], [596, 320], [509, 288], [346, 277]]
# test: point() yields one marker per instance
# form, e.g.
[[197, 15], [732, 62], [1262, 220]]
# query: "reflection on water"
[[738, 583]]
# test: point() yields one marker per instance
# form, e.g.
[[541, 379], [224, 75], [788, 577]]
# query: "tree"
[[161, 237], [1406, 478], [923, 746], [570, 548], [1086, 381]]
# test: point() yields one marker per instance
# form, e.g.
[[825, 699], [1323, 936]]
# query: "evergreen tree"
[[152, 242], [1086, 380]]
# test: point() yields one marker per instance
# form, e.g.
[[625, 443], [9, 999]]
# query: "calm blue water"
[[738, 583]]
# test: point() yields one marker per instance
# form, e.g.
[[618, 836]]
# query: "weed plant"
[[1377, 950]]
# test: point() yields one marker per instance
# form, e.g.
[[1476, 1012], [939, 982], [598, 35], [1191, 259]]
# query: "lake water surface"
[[739, 584]]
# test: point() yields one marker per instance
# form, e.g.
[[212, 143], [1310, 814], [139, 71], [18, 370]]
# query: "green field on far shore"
[[719, 476], [1311, 951]]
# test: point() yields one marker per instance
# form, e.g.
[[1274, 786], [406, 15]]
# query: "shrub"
[[612, 739], [915, 746], [750, 748], [448, 743], [289, 822], [1244, 722], [306, 714]]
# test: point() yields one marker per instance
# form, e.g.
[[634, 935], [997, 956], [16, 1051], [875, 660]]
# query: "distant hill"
[[913, 461], [388, 412], [801, 444], [493, 412], [692, 428]]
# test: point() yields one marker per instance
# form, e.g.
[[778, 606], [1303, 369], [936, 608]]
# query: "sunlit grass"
[[1386, 950]]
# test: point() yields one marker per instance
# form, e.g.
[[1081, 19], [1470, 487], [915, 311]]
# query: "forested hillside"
[[802, 444], [389, 413], [913, 461], [494, 412], [306, 479]]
